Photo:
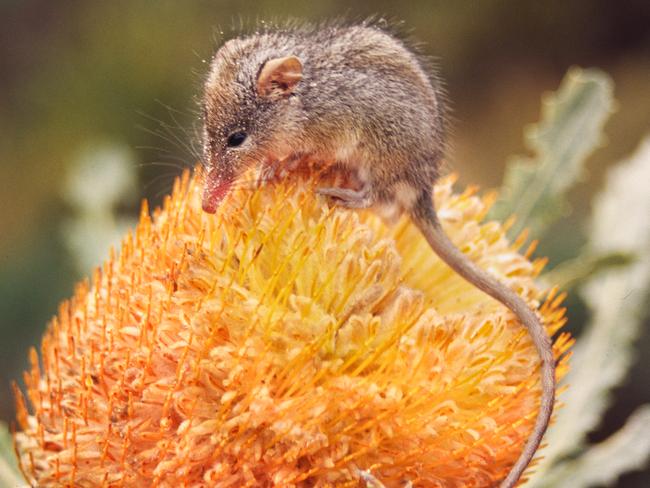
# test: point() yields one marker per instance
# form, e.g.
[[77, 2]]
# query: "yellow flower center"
[[287, 342]]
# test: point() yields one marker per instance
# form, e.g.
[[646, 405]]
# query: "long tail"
[[427, 222]]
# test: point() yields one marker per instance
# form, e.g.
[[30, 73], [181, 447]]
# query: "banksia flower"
[[287, 342]]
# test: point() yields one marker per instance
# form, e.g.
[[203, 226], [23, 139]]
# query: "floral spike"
[[286, 342]]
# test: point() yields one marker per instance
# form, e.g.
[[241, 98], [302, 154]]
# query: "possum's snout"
[[217, 186]]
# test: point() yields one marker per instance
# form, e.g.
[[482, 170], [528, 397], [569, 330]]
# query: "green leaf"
[[626, 450], [617, 299], [535, 188], [575, 271], [9, 473]]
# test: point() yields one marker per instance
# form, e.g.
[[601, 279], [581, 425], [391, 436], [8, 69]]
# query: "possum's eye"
[[236, 139]]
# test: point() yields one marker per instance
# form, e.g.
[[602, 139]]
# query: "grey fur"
[[358, 80], [369, 104]]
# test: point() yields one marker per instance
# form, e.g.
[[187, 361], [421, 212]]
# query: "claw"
[[347, 198]]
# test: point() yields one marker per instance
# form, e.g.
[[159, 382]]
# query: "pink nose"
[[214, 193]]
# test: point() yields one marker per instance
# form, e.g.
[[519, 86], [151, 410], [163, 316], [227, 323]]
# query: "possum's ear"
[[279, 77]]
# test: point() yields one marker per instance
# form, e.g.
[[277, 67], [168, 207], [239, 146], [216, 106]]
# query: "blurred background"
[[111, 88]]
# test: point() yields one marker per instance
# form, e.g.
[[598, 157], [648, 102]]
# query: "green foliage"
[[571, 127], [613, 271], [626, 450], [9, 474], [575, 271], [617, 300]]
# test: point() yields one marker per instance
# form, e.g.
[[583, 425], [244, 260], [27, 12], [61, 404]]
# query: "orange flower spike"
[[286, 342]]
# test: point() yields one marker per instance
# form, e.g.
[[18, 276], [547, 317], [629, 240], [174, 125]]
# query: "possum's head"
[[251, 111]]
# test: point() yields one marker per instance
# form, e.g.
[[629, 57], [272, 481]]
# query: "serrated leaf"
[[535, 188], [617, 299], [9, 473], [626, 450]]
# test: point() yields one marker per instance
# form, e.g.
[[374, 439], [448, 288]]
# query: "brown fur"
[[360, 98]]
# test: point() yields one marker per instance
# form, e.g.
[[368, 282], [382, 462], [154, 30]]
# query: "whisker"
[[160, 149], [190, 138], [161, 135], [170, 175], [169, 108], [161, 192], [167, 133], [164, 164]]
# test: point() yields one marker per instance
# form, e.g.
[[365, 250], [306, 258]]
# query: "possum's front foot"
[[347, 197]]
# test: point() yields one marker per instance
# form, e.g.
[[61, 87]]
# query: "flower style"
[[287, 342]]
